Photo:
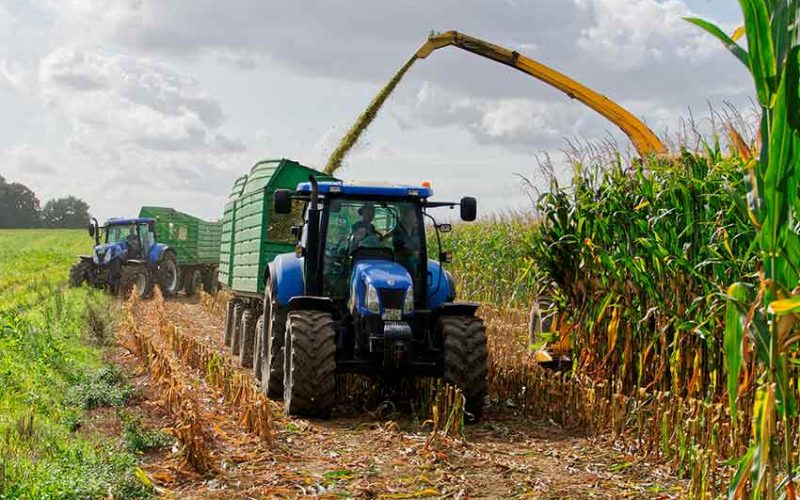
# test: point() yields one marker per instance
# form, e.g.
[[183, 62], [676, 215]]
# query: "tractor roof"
[[341, 188], [123, 221]]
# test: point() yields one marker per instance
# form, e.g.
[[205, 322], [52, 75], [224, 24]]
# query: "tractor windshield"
[[127, 233], [389, 229]]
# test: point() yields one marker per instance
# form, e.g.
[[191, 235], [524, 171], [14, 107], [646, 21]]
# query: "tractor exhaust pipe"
[[313, 253]]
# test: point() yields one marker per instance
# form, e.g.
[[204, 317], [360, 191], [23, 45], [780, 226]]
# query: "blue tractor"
[[128, 259], [361, 295]]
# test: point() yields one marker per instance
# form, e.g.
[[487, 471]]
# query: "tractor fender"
[[309, 303], [441, 286], [286, 273], [457, 309], [156, 252]]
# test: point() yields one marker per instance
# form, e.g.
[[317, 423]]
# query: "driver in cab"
[[364, 227], [133, 242]]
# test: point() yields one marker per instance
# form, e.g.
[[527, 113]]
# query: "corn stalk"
[[762, 317]]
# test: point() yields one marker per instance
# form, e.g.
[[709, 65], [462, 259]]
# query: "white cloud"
[[122, 100], [133, 121]]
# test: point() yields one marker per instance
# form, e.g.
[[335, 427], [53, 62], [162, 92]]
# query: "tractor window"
[[279, 229], [116, 233], [377, 225], [147, 237]]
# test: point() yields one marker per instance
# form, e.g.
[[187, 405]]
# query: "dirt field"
[[378, 452]]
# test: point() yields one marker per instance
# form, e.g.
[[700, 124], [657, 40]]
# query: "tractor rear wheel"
[[227, 335], [465, 360], [79, 272], [168, 275], [247, 332], [135, 279], [310, 364], [191, 282], [258, 348], [238, 309], [272, 350]]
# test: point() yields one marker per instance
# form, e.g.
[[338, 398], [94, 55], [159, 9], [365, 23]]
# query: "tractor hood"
[[105, 253], [381, 285]]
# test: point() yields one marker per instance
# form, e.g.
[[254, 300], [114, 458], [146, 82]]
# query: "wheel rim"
[[172, 276], [140, 284]]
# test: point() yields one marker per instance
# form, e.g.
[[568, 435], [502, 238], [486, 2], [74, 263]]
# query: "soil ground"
[[380, 452]]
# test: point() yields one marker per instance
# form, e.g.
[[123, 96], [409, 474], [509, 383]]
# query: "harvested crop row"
[[190, 430], [237, 388]]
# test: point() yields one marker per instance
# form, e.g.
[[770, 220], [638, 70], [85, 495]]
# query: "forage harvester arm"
[[645, 141]]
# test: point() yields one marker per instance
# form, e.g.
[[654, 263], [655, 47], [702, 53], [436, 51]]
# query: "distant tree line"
[[20, 208]]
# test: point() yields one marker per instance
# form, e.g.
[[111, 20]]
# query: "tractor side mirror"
[[283, 201], [469, 208], [91, 230], [296, 231]]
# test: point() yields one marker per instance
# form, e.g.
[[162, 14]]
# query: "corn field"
[[678, 278]]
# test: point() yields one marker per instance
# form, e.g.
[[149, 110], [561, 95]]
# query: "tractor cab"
[[362, 288], [125, 238]]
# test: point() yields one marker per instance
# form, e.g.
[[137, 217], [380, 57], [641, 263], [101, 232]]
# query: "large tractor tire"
[[227, 334], [168, 275], [135, 279], [258, 348], [79, 272], [247, 331], [192, 282], [238, 310], [272, 350], [465, 360], [310, 364]]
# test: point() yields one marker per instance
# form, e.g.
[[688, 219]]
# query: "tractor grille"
[[391, 298]]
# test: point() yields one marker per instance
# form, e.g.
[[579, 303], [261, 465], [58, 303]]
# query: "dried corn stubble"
[[237, 387], [192, 434]]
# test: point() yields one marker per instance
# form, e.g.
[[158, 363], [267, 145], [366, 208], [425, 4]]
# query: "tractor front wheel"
[[309, 386], [168, 275], [79, 272], [465, 360], [135, 279]]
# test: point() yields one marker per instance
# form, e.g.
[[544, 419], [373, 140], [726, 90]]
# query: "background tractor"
[[162, 247]]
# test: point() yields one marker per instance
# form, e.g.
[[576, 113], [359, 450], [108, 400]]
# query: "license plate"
[[392, 315]]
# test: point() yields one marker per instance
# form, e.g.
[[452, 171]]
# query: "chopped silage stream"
[[378, 452]]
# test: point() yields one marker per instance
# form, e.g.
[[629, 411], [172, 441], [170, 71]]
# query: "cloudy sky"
[[134, 102]]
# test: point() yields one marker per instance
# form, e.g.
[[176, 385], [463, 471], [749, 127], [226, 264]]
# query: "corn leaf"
[[760, 48], [785, 306], [739, 480], [734, 336], [763, 408], [720, 35]]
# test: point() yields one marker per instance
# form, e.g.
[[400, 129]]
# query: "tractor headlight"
[[107, 257], [372, 302], [408, 303]]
